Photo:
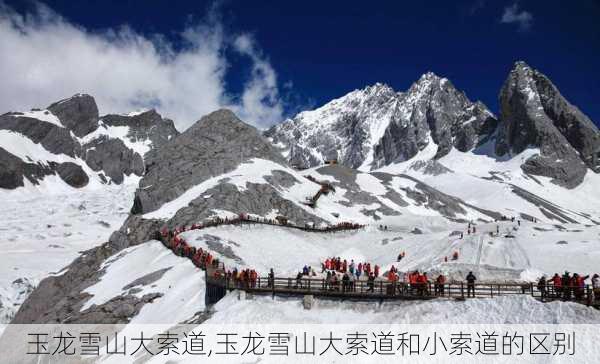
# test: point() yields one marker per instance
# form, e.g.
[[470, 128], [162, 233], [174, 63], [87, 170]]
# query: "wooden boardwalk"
[[385, 290], [218, 284]]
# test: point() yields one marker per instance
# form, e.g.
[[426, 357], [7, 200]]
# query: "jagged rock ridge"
[[72, 141], [535, 114], [377, 126]]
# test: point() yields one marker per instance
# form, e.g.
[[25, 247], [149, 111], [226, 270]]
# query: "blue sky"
[[302, 54]]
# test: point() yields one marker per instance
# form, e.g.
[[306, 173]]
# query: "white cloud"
[[45, 58], [512, 15]]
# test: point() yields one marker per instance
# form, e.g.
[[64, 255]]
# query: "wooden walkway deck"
[[384, 290], [218, 285]]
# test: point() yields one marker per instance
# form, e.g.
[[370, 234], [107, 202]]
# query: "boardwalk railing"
[[219, 282], [381, 289], [244, 219]]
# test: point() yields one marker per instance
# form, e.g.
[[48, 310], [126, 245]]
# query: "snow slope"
[[42, 232], [485, 180]]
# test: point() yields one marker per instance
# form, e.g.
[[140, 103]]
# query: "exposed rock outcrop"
[[377, 126], [78, 114], [216, 144], [535, 115], [13, 171], [113, 158], [148, 125], [113, 146]]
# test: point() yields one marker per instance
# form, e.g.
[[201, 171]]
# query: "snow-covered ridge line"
[[107, 150]]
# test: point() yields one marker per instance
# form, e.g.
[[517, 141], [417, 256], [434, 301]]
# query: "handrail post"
[[531, 289], [492, 290], [589, 295], [462, 290]]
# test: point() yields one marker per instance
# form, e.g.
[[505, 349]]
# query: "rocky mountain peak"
[[78, 113], [376, 126], [214, 145], [534, 114], [378, 89]]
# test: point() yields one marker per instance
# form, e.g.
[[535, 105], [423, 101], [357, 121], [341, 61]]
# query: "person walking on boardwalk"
[[596, 287], [345, 282], [371, 283], [541, 286], [423, 284], [471, 284], [271, 279], [439, 285], [557, 283], [566, 286], [579, 285]]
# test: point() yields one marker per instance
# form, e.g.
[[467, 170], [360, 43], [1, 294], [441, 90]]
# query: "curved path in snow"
[[218, 283]]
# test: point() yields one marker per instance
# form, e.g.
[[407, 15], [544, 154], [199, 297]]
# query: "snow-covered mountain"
[[424, 163], [69, 140], [377, 126], [533, 113]]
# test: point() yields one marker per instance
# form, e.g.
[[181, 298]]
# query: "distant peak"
[[377, 87], [430, 76], [520, 64]]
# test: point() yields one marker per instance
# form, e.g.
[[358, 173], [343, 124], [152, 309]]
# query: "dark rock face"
[[377, 126], [110, 157], [148, 125], [113, 158], [53, 138], [217, 144], [437, 108], [534, 114], [72, 174], [13, 170], [78, 114]]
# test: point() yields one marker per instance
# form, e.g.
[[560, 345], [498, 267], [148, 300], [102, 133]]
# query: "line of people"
[[244, 279], [246, 218], [568, 285], [354, 269], [200, 257]]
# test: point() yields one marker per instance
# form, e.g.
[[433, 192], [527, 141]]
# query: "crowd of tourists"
[[200, 257], [279, 221], [567, 286], [344, 275]]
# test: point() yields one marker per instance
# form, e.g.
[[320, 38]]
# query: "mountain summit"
[[377, 126], [535, 114]]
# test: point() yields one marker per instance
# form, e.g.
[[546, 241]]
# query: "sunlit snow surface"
[[43, 228], [536, 248]]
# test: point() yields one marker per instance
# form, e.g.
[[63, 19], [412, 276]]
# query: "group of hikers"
[[245, 278], [200, 257], [279, 221], [568, 285], [472, 228], [348, 276]]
